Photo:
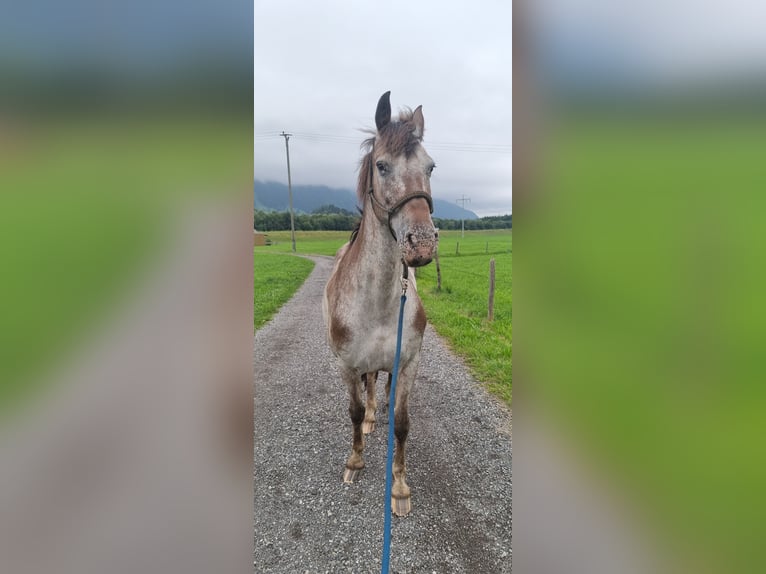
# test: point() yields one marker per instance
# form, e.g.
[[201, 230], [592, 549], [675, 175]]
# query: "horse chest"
[[373, 348]]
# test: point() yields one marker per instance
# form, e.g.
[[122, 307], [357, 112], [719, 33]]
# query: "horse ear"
[[417, 119], [383, 113]]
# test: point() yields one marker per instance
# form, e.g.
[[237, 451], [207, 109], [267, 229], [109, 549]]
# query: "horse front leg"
[[400, 493], [369, 412], [388, 393], [355, 463]]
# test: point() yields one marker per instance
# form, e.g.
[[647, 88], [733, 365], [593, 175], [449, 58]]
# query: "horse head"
[[399, 182]]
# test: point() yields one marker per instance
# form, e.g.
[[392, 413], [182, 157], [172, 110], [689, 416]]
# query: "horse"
[[362, 296]]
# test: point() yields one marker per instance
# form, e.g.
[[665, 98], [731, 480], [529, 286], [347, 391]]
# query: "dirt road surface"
[[458, 460]]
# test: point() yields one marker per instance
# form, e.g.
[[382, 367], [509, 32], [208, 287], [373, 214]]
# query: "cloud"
[[325, 79]]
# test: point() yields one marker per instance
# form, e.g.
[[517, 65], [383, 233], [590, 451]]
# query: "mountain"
[[273, 196]]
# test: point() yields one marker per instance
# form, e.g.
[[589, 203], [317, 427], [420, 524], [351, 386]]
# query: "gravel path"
[[458, 460]]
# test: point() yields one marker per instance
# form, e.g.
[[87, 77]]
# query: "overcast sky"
[[320, 68]]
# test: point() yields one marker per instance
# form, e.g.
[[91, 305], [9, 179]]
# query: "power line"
[[471, 147]]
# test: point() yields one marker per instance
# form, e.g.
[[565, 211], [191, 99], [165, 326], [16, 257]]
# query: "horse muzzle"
[[419, 245]]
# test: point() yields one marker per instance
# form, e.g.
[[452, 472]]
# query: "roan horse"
[[362, 296]]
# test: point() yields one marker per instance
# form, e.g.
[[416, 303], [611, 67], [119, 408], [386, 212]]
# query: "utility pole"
[[462, 224], [289, 188]]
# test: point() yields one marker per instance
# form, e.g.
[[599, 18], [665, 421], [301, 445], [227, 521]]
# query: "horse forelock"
[[396, 138]]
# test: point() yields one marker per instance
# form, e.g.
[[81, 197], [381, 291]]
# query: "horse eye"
[[382, 167], [431, 170]]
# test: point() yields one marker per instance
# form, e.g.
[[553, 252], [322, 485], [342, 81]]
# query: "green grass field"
[[306, 242], [277, 277], [459, 311]]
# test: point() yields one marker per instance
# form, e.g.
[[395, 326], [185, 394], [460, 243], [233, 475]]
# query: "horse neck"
[[378, 253]]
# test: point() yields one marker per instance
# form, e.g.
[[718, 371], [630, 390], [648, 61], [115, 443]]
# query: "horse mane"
[[396, 137]]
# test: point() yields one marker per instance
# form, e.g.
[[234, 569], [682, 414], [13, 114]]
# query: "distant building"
[[260, 238]]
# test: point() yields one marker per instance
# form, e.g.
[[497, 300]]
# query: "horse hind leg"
[[370, 379], [355, 463]]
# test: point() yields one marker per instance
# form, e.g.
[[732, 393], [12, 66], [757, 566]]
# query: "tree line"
[[488, 222], [336, 219], [331, 218]]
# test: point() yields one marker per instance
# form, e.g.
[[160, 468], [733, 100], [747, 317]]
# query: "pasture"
[[459, 311], [306, 242]]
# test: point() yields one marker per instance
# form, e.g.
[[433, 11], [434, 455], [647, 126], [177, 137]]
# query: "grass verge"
[[277, 277]]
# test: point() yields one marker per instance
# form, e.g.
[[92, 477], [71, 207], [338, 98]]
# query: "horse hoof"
[[401, 506], [351, 474], [368, 427]]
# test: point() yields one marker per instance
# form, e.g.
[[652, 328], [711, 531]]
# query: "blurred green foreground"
[[640, 272], [84, 205]]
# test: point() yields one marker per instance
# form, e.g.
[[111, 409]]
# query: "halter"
[[399, 204]]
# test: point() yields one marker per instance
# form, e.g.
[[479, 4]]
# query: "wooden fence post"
[[491, 315], [457, 248], [438, 273]]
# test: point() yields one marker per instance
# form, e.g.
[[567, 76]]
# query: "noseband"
[[399, 204]]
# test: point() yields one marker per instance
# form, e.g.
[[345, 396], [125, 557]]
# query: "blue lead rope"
[[387, 510]]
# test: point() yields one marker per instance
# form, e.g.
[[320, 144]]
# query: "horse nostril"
[[409, 239], [436, 235]]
